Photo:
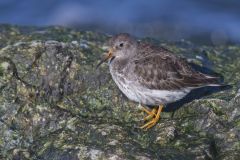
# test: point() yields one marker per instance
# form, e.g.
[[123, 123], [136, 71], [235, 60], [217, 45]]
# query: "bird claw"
[[151, 114], [154, 115]]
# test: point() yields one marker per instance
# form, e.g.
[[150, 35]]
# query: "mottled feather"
[[157, 68], [153, 75]]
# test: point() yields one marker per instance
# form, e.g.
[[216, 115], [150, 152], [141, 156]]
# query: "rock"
[[54, 103]]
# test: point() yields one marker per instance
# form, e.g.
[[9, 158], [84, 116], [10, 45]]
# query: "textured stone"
[[53, 103]]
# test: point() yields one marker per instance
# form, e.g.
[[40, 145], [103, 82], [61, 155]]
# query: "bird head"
[[120, 46]]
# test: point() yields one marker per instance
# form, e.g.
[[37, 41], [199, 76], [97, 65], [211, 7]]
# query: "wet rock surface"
[[54, 103]]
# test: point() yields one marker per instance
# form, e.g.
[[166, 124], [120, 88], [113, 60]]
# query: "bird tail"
[[196, 94], [216, 78], [207, 71], [222, 87]]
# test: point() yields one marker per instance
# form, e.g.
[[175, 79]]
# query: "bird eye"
[[121, 44]]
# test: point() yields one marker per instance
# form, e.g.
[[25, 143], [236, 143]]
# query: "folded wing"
[[169, 72]]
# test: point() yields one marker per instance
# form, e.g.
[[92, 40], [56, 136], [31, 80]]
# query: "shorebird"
[[153, 76]]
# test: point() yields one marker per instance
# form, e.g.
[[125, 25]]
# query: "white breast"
[[135, 92]]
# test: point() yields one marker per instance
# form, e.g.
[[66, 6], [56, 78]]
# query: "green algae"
[[54, 102]]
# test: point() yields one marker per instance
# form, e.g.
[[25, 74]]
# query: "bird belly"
[[126, 88], [137, 93], [157, 97]]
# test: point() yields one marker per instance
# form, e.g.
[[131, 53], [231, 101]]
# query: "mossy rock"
[[54, 103]]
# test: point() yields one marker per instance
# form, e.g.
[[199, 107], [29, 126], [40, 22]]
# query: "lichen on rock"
[[55, 103]]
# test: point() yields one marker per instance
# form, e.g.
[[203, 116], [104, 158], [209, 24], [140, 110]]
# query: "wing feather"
[[169, 72]]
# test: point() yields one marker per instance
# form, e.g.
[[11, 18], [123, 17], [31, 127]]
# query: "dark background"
[[202, 21]]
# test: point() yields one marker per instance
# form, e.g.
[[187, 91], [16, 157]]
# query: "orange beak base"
[[106, 57]]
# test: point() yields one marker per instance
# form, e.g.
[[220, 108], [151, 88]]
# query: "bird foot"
[[154, 115], [151, 113]]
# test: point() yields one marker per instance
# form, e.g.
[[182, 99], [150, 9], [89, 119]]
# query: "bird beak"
[[106, 57]]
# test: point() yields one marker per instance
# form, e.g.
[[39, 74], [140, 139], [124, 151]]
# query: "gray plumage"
[[152, 75]]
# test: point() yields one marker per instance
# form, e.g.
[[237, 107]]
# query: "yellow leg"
[[145, 110], [151, 114], [155, 115]]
